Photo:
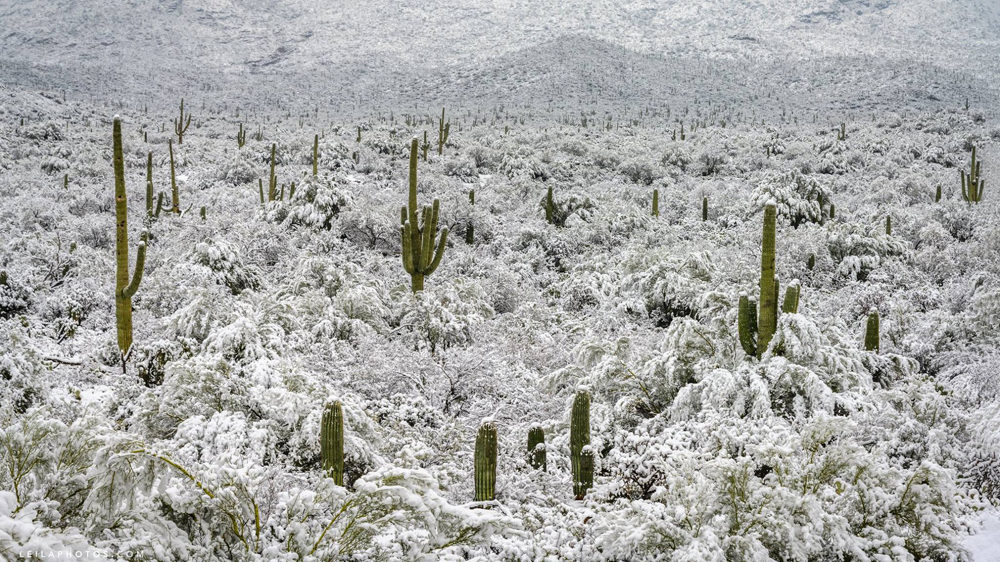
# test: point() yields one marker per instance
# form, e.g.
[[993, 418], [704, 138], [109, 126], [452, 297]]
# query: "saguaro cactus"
[[972, 183], [272, 182], [656, 202], [704, 209], [241, 137], [486, 462], [420, 258], [579, 437], [536, 448], [872, 332], [149, 185], [426, 145], [470, 230], [937, 194], [315, 155], [125, 288], [331, 442], [443, 130], [757, 327], [791, 303], [842, 133], [180, 125], [175, 196], [549, 206], [888, 225]]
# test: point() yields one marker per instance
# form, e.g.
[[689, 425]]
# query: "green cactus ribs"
[[125, 288], [486, 462], [331, 442], [420, 258], [537, 457], [579, 445]]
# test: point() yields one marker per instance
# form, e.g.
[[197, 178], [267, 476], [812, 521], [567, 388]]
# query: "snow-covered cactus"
[[470, 230], [811, 262], [656, 202], [125, 288], [420, 258], [425, 146], [579, 437], [315, 155], [175, 196], [842, 133], [791, 303], [756, 327], [443, 130], [358, 140], [549, 206], [937, 194], [704, 209], [972, 183], [181, 125], [241, 137], [833, 211], [536, 448], [331, 442], [586, 471], [872, 332], [486, 462], [888, 225], [272, 182]]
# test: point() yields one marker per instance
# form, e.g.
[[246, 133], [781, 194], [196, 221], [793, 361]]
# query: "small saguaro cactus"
[[579, 437], [470, 229], [972, 183], [203, 213], [180, 125], [315, 155], [149, 186], [833, 212], [175, 196], [425, 146], [65, 181], [842, 133], [888, 225], [486, 462], [656, 202], [272, 182], [757, 327], [872, 332], [241, 137], [331, 442], [791, 303], [811, 262], [704, 209], [549, 207], [443, 130], [937, 194], [420, 258], [536, 448], [125, 288]]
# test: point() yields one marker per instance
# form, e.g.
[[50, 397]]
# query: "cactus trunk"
[[579, 437], [767, 317], [125, 288], [331, 442], [486, 462]]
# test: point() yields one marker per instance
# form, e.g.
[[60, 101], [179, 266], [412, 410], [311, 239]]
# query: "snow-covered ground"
[[252, 318]]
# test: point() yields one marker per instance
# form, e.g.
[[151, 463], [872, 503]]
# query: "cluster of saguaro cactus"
[[125, 288], [241, 137], [443, 130], [420, 258], [486, 462], [872, 332], [536, 448], [181, 125], [656, 202], [331, 442], [972, 182], [581, 455]]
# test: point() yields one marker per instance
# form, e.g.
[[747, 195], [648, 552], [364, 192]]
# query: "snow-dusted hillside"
[[611, 328]]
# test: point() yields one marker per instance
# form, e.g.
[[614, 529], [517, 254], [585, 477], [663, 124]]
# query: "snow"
[[985, 544]]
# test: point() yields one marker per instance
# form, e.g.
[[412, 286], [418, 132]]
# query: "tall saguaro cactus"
[[872, 332], [331, 442], [972, 183], [125, 288], [180, 125], [272, 182], [420, 258], [443, 130], [315, 155], [579, 438], [757, 327], [175, 196], [486, 462]]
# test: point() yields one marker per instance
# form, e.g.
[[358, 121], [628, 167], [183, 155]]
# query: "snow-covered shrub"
[[442, 316], [316, 204], [14, 296], [799, 198], [229, 270]]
